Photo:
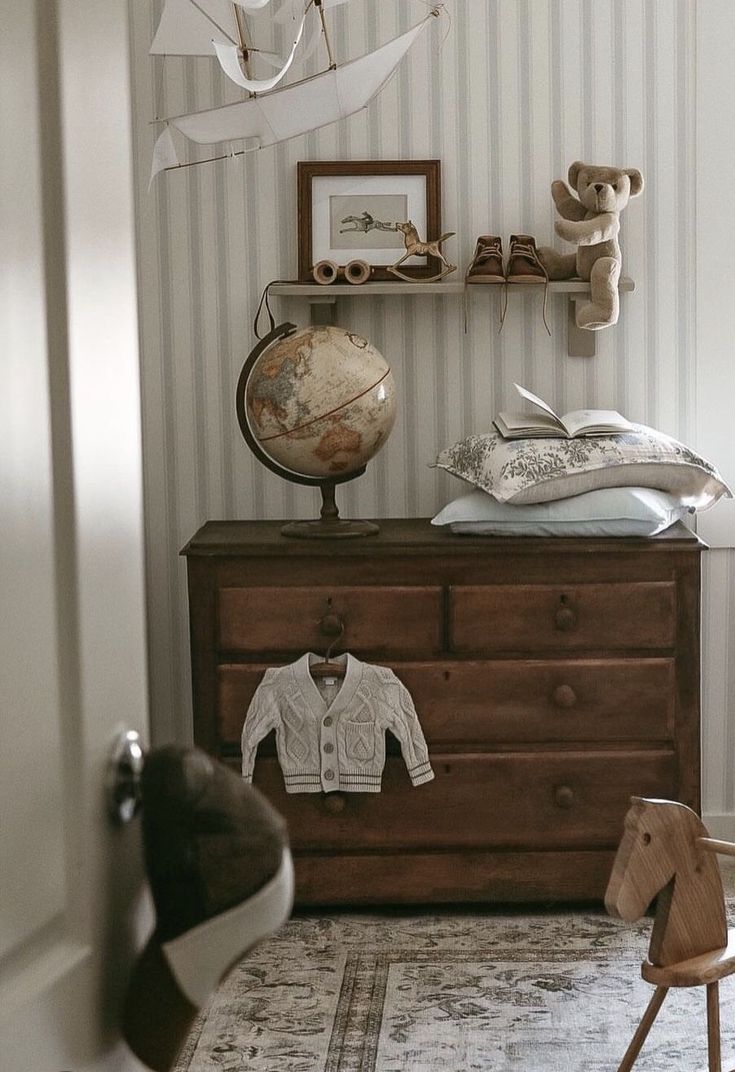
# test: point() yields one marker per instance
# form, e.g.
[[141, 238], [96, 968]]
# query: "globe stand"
[[330, 525]]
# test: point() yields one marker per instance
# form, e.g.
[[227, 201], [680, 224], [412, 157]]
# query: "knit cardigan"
[[326, 744]]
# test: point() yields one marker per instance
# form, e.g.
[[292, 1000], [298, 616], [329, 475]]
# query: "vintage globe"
[[321, 402]]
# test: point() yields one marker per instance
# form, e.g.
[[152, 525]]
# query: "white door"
[[72, 641]]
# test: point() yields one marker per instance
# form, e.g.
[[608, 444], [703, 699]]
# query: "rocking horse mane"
[[659, 854]]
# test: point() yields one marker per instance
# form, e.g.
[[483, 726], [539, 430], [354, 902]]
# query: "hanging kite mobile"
[[268, 114]]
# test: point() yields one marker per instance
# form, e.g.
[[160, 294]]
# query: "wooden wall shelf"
[[322, 299]]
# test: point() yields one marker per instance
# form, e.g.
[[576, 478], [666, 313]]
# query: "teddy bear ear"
[[574, 170], [636, 181]]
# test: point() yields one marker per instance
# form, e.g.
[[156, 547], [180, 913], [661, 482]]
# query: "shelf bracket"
[[322, 310], [580, 341]]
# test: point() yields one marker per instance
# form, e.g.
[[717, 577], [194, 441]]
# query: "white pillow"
[[539, 470], [607, 512]]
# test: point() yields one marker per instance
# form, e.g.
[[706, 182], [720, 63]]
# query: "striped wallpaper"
[[515, 92]]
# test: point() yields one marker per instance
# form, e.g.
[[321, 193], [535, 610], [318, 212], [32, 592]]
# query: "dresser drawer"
[[462, 703], [536, 617], [393, 620], [514, 800], [527, 700]]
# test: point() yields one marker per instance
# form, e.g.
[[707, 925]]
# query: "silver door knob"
[[124, 771]]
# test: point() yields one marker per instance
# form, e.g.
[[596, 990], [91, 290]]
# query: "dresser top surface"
[[416, 536]]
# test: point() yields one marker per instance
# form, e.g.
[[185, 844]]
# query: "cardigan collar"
[[311, 693]]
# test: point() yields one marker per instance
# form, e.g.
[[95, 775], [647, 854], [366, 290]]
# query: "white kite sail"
[[188, 29], [268, 115]]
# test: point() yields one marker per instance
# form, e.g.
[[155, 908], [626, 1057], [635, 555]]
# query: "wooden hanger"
[[328, 668]]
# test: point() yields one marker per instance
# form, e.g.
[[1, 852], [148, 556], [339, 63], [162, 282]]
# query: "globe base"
[[338, 529], [330, 525]]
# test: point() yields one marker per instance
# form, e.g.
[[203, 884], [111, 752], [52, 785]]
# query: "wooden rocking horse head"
[[660, 854]]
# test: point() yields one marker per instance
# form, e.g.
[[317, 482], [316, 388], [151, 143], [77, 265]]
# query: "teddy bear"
[[592, 220]]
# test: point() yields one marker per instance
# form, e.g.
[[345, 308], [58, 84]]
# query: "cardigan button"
[[329, 775], [329, 747], [328, 720]]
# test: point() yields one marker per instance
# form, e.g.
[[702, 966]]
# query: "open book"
[[580, 422]]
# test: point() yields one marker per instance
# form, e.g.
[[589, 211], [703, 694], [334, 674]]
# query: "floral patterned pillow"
[[539, 470]]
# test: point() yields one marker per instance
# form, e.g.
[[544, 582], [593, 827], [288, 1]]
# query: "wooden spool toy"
[[665, 850]]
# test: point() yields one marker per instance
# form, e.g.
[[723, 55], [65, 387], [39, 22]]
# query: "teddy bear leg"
[[557, 265], [603, 309]]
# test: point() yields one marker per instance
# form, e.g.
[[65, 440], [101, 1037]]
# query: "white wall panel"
[[713, 278], [517, 91]]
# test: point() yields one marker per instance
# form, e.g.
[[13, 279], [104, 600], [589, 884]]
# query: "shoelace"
[[525, 249], [494, 249], [486, 253], [481, 256], [519, 249]]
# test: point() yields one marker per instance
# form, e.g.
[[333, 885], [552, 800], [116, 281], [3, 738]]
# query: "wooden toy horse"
[[665, 850], [416, 248]]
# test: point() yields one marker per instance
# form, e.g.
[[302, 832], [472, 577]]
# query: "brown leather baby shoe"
[[524, 265], [487, 263]]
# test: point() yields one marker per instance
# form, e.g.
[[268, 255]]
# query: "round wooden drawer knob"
[[565, 617], [332, 625], [564, 696], [334, 803], [563, 796]]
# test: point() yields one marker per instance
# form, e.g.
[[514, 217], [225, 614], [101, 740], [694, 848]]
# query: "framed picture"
[[348, 210]]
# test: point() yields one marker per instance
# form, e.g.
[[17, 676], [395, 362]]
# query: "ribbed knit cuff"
[[421, 773]]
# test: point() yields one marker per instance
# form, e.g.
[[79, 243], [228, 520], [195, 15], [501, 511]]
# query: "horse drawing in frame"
[[365, 223], [665, 851]]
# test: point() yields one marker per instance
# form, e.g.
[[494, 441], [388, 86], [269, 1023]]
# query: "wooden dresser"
[[554, 678]]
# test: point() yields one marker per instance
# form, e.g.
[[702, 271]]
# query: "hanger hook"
[[336, 640]]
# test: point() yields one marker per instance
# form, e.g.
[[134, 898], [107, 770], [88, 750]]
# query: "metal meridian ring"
[[282, 331]]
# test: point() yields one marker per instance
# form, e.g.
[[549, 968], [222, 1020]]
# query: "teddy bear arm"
[[588, 232], [570, 230], [602, 229], [566, 203]]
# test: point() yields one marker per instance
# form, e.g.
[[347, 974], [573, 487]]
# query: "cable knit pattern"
[[333, 737]]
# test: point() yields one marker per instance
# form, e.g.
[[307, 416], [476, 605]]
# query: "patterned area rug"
[[449, 992]]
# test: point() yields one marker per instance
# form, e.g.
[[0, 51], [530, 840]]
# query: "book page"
[[528, 422], [536, 401], [604, 419]]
